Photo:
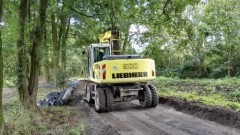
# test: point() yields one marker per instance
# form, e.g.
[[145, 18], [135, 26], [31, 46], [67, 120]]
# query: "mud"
[[220, 115]]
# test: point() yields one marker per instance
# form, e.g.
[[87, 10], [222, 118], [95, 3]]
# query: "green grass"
[[49, 121], [77, 130], [204, 91]]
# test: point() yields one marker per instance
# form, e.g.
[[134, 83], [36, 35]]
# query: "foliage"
[[220, 92], [199, 39], [187, 39]]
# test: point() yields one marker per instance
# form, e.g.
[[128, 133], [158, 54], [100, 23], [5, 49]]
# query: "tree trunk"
[[46, 61], [36, 54], [63, 48], [125, 43], [28, 88], [1, 73], [229, 65], [230, 53], [62, 40], [22, 59], [55, 54]]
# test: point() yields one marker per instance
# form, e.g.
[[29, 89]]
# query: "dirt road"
[[130, 119]]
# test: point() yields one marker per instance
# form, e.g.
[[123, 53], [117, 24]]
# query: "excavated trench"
[[220, 115]]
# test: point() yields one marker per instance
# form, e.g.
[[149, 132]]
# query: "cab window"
[[100, 53]]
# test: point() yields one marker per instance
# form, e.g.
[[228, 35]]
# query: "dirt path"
[[95, 125], [130, 119], [8, 91]]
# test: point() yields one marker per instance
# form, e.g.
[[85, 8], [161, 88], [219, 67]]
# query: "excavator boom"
[[112, 37]]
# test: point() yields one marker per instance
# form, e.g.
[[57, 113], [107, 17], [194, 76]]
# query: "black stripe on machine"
[[129, 75]]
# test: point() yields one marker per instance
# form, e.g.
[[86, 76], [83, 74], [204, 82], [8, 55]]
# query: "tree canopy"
[[186, 38], [43, 40]]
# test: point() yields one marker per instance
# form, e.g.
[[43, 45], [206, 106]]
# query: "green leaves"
[[203, 34]]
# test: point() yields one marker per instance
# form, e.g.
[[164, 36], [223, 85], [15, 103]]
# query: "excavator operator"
[[101, 54]]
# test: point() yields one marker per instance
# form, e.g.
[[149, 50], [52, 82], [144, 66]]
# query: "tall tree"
[[1, 70], [28, 86], [36, 52], [55, 46], [22, 58], [64, 28], [46, 58]]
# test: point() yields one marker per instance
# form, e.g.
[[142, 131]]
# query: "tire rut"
[[132, 120]]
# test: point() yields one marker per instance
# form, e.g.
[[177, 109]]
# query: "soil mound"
[[220, 115]]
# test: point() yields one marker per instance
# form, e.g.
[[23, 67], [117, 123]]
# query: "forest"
[[43, 40]]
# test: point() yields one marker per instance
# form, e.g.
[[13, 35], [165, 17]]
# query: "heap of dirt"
[[220, 115], [74, 98]]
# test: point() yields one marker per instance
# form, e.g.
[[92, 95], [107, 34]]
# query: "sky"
[[135, 34]]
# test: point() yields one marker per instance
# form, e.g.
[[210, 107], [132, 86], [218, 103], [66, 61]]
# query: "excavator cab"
[[96, 53], [100, 53]]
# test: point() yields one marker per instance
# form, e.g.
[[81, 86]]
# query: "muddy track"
[[131, 119]]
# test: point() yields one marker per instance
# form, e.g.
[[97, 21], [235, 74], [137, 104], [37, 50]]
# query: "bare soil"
[[220, 115], [8, 91], [94, 123], [131, 119], [170, 117]]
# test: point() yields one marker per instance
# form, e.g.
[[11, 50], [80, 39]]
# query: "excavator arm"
[[112, 37]]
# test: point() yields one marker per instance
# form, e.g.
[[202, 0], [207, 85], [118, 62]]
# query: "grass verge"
[[64, 120], [219, 93]]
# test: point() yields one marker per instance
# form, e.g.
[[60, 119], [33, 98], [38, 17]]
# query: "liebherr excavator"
[[114, 77]]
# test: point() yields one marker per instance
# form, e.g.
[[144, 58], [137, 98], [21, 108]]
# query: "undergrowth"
[[221, 92], [48, 121]]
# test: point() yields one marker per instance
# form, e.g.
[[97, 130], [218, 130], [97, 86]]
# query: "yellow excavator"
[[114, 77]]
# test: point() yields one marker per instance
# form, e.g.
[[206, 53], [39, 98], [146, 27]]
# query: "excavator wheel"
[[155, 97], [146, 101], [100, 100], [89, 90], [109, 96]]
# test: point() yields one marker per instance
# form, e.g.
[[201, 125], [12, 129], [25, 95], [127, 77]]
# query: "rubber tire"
[[155, 97], [100, 100], [147, 97], [109, 96], [89, 88]]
